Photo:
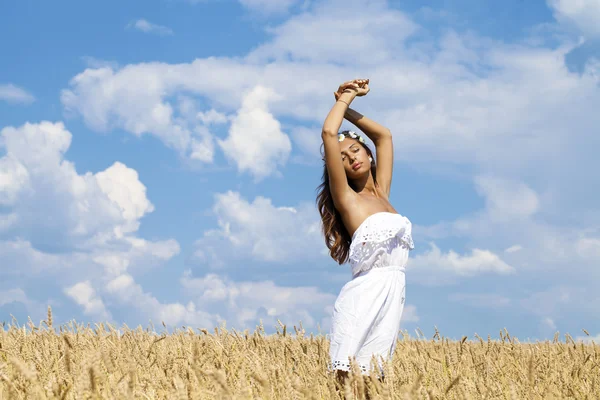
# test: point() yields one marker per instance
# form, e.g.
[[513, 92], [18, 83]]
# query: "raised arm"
[[338, 182], [384, 148], [379, 134]]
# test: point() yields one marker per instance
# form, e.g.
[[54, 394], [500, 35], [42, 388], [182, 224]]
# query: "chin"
[[361, 171]]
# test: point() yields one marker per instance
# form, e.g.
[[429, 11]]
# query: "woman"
[[361, 226]]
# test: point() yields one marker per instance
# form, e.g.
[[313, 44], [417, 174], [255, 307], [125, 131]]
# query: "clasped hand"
[[359, 87]]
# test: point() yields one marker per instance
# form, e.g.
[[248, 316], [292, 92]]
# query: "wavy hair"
[[337, 238]]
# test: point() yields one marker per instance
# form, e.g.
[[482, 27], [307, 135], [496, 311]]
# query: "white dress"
[[366, 315]]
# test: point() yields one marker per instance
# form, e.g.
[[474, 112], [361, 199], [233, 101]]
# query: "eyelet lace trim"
[[345, 366], [380, 230]]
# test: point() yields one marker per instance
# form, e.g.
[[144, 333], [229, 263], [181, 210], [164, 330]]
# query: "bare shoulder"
[[357, 211], [350, 210], [348, 204]]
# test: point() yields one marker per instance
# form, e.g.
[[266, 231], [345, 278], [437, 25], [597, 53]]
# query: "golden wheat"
[[102, 362]]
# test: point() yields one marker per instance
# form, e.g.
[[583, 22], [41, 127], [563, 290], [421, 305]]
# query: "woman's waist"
[[362, 270]]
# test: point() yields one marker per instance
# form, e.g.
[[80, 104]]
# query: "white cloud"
[[134, 102], [437, 268], [54, 220], [321, 36], [256, 143], [514, 248], [241, 304], [14, 178], [512, 113], [212, 116], [122, 186], [145, 26], [583, 14], [127, 292], [14, 94], [511, 214], [507, 200], [84, 294], [261, 231], [501, 108], [36, 182], [460, 98]]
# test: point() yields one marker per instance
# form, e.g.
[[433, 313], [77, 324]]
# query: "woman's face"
[[354, 157]]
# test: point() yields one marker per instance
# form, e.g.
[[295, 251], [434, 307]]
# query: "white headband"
[[352, 134]]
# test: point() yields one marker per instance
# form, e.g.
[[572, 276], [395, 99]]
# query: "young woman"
[[361, 226]]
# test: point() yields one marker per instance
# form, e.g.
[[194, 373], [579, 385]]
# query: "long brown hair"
[[337, 238]]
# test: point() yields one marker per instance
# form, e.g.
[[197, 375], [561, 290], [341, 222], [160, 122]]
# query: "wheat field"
[[75, 361]]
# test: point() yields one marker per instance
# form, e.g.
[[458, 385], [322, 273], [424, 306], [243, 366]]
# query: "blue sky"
[[159, 159]]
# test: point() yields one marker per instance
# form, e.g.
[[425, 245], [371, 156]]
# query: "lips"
[[356, 166]]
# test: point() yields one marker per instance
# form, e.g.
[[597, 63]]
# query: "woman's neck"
[[366, 186]]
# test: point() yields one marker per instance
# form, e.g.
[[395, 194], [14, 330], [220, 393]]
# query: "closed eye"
[[354, 149]]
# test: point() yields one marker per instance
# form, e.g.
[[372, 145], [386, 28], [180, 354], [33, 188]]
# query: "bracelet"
[[344, 102]]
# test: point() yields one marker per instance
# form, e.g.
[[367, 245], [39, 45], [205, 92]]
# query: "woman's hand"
[[359, 87]]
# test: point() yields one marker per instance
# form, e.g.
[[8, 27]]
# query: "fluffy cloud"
[[255, 142], [583, 14], [437, 268], [243, 303], [47, 198], [376, 30], [510, 218], [134, 101], [122, 186], [84, 294], [14, 94], [261, 231], [507, 200], [14, 178], [461, 99], [510, 114], [55, 220], [212, 116], [514, 219], [148, 27], [127, 292]]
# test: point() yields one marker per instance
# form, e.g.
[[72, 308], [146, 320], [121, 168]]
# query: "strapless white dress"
[[366, 315]]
